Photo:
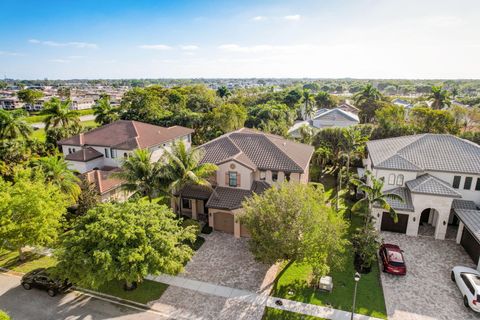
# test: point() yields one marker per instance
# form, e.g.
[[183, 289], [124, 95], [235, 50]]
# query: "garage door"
[[389, 225], [471, 245], [244, 231], [223, 221]]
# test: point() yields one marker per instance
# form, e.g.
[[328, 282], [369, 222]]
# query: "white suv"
[[468, 281]]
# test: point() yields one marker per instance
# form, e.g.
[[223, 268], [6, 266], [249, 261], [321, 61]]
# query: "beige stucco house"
[[249, 162]]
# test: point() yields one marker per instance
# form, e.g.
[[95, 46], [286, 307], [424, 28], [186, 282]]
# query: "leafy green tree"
[[439, 97], [229, 117], [54, 134], [55, 170], [141, 175], [428, 120], [89, 197], [104, 112], [13, 125], [368, 100], [277, 113], [292, 98], [325, 100], [29, 96], [390, 116], [145, 105], [308, 108], [307, 134], [365, 243], [31, 211], [184, 168], [293, 223], [124, 241], [58, 113], [223, 92]]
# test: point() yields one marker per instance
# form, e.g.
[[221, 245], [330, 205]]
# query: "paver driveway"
[[426, 292], [222, 260]]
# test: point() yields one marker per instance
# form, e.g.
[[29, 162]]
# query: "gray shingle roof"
[[405, 205], [430, 152], [428, 184], [471, 219], [84, 155], [335, 115], [265, 151], [464, 204], [399, 163]]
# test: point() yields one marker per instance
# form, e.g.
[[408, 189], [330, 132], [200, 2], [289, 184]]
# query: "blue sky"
[[164, 39]]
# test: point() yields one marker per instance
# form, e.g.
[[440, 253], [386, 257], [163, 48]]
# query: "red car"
[[392, 259]]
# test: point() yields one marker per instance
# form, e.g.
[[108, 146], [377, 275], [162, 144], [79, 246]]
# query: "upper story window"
[[468, 183], [274, 175], [69, 150], [287, 176], [391, 179], [186, 203], [456, 182], [263, 175], [189, 138], [477, 185], [125, 155], [106, 153], [400, 179], [232, 179], [113, 153]]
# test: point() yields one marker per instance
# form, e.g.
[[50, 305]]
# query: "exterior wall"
[[83, 167], [441, 204], [407, 176], [246, 174], [413, 220], [470, 194], [235, 213], [328, 123]]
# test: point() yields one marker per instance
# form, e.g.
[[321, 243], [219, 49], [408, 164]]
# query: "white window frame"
[[400, 180], [391, 179]]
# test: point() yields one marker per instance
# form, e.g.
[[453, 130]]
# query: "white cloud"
[[294, 17], [74, 44], [160, 47], [259, 18], [189, 47], [10, 53]]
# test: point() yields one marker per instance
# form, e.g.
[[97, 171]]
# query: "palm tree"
[[374, 196], [223, 92], [13, 125], [184, 168], [439, 97], [324, 100], [141, 175], [58, 113], [104, 112], [308, 104], [307, 133], [367, 100], [56, 171]]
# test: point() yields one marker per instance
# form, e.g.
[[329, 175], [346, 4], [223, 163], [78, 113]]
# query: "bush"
[[4, 316], [207, 229], [198, 243], [365, 243], [196, 225]]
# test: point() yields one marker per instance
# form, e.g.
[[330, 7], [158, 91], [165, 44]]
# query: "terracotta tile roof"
[[84, 155], [262, 150], [231, 198], [103, 179], [127, 135]]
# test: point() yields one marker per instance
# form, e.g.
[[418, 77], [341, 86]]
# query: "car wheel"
[[51, 292], [26, 286], [465, 302], [452, 276]]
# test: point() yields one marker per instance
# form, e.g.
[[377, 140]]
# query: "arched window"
[[69, 150], [400, 180], [125, 155], [391, 179]]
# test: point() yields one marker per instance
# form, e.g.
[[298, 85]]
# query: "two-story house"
[[249, 162], [100, 152], [438, 176]]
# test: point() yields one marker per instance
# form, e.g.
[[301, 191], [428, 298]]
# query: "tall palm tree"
[[13, 125], [439, 97], [223, 92], [184, 168], [308, 104], [56, 171], [374, 196], [58, 113], [141, 175], [324, 100], [367, 100], [104, 112]]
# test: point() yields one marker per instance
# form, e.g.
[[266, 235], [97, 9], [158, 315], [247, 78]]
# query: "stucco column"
[[194, 209], [441, 225], [460, 232], [268, 177], [413, 224], [236, 227], [173, 204], [281, 176], [210, 219]]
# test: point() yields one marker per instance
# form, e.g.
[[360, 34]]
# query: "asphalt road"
[[35, 304]]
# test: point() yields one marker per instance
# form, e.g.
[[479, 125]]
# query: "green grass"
[[276, 314], [9, 260], [90, 124], [39, 118], [39, 134], [295, 277], [145, 292]]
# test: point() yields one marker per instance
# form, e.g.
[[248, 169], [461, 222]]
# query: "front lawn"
[[9, 260], [275, 314]]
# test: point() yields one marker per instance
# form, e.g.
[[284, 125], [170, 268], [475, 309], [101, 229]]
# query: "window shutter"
[[226, 178], [238, 179]]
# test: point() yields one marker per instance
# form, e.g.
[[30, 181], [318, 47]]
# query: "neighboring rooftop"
[[425, 152], [104, 179], [127, 135], [335, 114], [260, 150]]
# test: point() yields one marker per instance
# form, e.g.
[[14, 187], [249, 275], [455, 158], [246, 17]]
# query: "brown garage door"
[[471, 245], [223, 221], [389, 225], [244, 231]]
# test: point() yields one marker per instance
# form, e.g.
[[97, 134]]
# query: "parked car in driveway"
[[392, 259], [468, 281], [39, 278]]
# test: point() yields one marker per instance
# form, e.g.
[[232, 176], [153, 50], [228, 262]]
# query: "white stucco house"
[[438, 176], [326, 118], [99, 152], [249, 161]]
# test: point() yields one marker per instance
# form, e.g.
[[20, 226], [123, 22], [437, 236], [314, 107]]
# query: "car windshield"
[[395, 258]]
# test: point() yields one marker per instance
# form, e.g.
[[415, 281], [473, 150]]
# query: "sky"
[[421, 39]]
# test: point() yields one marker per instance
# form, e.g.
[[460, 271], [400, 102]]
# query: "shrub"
[[207, 229], [196, 225], [4, 316]]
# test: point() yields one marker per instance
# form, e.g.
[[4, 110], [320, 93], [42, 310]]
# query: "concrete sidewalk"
[[257, 299]]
